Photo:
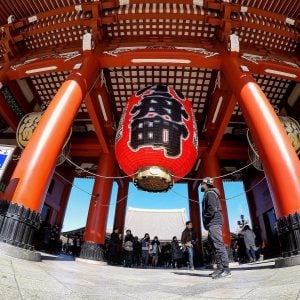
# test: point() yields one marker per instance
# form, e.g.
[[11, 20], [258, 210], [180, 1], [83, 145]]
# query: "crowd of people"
[[145, 252]]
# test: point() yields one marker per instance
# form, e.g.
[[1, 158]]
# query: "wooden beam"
[[225, 113], [105, 106], [94, 115], [85, 147]]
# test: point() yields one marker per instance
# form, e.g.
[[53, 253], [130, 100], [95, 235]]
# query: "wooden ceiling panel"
[[265, 32], [163, 30], [150, 19], [194, 83], [24, 8], [289, 8]]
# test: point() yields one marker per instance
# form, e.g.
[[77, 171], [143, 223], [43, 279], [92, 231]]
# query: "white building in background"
[[164, 223]]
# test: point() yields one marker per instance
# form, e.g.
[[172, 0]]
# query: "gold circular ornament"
[[26, 128], [153, 179], [292, 129]]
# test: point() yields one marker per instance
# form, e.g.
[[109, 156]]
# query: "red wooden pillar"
[[29, 183], [95, 229], [195, 216], [120, 212], [65, 198], [280, 162], [210, 167]]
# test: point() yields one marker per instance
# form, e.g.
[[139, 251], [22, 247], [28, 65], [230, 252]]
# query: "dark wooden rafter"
[[219, 113], [90, 147], [85, 147], [149, 56], [53, 23], [43, 65], [94, 112], [252, 18], [105, 107], [36, 97], [222, 123]]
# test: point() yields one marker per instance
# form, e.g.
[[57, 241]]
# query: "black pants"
[[215, 236], [128, 258]]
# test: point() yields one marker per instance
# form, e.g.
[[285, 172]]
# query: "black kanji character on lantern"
[[157, 121], [160, 104], [158, 132]]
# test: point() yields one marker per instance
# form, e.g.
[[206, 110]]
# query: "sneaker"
[[192, 269], [215, 273], [224, 274]]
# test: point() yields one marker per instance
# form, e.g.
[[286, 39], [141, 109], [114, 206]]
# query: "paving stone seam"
[[245, 295], [16, 280], [67, 289]]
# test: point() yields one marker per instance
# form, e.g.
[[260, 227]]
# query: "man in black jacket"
[[213, 221], [188, 240]]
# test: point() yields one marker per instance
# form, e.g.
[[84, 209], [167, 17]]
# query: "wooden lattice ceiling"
[[48, 34]]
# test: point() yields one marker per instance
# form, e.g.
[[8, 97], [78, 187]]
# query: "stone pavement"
[[60, 278]]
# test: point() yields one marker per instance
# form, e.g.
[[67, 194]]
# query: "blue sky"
[[177, 197]]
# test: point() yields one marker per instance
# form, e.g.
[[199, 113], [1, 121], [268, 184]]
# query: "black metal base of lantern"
[[288, 229], [18, 226], [153, 179], [91, 251]]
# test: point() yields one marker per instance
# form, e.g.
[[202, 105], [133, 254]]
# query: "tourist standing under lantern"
[[145, 249], [213, 221], [114, 247], [155, 250], [176, 253], [128, 248], [188, 239]]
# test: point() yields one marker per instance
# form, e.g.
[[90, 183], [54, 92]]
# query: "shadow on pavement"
[[191, 274], [57, 257], [252, 268]]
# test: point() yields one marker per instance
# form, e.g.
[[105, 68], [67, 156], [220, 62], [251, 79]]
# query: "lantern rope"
[[221, 176], [126, 176], [178, 194], [92, 195], [94, 174], [74, 185], [224, 199]]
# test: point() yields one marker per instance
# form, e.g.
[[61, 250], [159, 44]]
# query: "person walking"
[[213, 221], [249, 240], [188, 240]]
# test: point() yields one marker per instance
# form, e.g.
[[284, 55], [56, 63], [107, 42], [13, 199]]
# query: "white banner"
[[6, 152]]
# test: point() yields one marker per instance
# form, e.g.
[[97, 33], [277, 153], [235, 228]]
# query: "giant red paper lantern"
[[157, 140]]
